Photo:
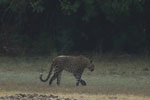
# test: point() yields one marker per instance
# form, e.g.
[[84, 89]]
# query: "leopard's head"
[[91, 66]]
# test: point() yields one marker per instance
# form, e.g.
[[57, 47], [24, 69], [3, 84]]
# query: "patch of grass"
[[24, 64], [112, 77]]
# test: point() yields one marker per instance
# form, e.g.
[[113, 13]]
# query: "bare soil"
[[33, 97]]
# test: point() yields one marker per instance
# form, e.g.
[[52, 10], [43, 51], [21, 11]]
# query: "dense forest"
[[74, 26]]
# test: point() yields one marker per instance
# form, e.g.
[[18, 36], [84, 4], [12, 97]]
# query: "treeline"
[[67, 26]]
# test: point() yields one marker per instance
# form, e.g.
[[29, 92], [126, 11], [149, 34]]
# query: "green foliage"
[[68, 8], [115, 8], [89, 9], [4, 1], [37, 6], [46, 26], [20, 6]]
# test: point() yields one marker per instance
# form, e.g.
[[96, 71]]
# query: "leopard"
[[73, 64]]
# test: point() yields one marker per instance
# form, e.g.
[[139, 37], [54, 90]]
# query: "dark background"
[[46, 27]]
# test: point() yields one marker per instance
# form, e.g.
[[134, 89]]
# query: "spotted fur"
[[72, 64]]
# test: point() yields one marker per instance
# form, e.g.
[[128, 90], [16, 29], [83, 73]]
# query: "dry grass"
[[119, 78]]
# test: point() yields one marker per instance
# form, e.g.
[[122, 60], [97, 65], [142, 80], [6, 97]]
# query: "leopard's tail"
[[48, 76]]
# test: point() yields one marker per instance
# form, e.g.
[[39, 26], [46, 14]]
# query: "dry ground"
[[115, 78]]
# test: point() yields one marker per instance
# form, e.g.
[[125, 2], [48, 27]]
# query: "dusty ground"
[[37, 96], [33, 97]]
